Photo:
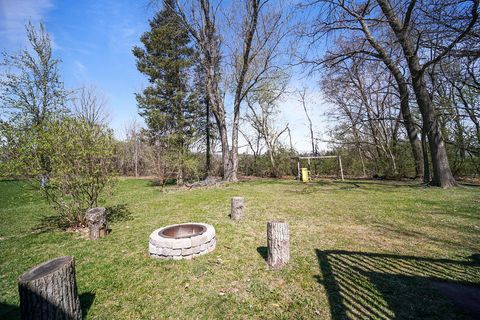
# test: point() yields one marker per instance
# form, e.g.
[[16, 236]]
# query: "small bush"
[[81, 161], [69, 160]]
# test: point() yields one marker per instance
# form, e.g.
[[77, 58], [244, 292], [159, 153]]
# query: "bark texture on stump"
[[97, 222], [236, 212], [278, 244], [49, 291]]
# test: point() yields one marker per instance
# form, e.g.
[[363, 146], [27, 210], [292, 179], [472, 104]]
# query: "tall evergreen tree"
[[169, 104]]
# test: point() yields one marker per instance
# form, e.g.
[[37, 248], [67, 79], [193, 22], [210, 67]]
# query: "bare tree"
[[242, 62], [303, 99], [133, 139], [254, 142], [263, 116], [200, 18], [424, 32], [366, 111], [259, 34], [457, 100], [403, 20], [90, 105], [368, 41]]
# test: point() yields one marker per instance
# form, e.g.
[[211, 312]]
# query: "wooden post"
[[278, 244], [97, 222], [236, 212], [341, 168], [49, 291], [298, 168]]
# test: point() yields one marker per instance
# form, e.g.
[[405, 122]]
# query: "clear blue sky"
[[94, 40]]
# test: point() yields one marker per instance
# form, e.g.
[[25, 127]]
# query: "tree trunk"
[[240, 90], [409, 123], [426, 163], [97, 222], [219, 114], [442, 174], [236, 212], [233, 163], [278, 244], [136, 155], [222, 130], [290, 139], [362, 161], [310, 127], [270, 152], [180, 176], [215, 103], [402, 87], [208, 159], [49, 291]]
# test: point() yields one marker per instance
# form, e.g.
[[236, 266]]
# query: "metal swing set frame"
[[309, 158]]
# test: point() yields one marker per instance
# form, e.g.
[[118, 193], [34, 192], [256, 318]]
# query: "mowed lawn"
[[359, 250]]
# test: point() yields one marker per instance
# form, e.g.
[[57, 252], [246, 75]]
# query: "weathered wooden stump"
[[49, 291], [278, 244], [97, 222], [236, 212]]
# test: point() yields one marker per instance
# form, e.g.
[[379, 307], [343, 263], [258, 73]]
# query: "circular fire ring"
[[182, 241]]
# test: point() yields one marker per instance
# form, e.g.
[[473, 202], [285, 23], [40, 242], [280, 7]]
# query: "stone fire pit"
[[182, 241]]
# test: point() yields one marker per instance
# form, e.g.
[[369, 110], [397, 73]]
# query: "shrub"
[[82, 163], [70, 161]]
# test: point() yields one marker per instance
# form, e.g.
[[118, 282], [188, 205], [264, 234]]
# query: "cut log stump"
[[49, 291], [236, 212], [278, 244], [97, 222]]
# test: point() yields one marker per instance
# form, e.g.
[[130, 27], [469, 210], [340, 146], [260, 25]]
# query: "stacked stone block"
[[182, 248]]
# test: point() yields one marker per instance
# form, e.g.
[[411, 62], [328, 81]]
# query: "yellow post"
[[305, 174]]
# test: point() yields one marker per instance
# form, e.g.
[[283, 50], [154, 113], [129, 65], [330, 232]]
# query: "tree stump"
[[278, 244], [236, 212], [49, 291], [97, 222]]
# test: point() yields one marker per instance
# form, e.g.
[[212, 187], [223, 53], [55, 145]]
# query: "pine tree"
[[169, 104]]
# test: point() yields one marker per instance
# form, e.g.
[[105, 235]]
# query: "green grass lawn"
[[360, 250]]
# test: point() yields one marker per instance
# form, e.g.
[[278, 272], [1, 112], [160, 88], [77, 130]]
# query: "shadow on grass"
[[86, 301], [314, 187], [452, 242], [119, 212], [49, 223], [384, 183], [9, 311], [466, 184], [263, 252], [363, 285], [116, 213], [159, 183], [264, 181]]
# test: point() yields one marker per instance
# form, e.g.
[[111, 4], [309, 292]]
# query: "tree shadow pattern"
[[363, 285], [9, 311]]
